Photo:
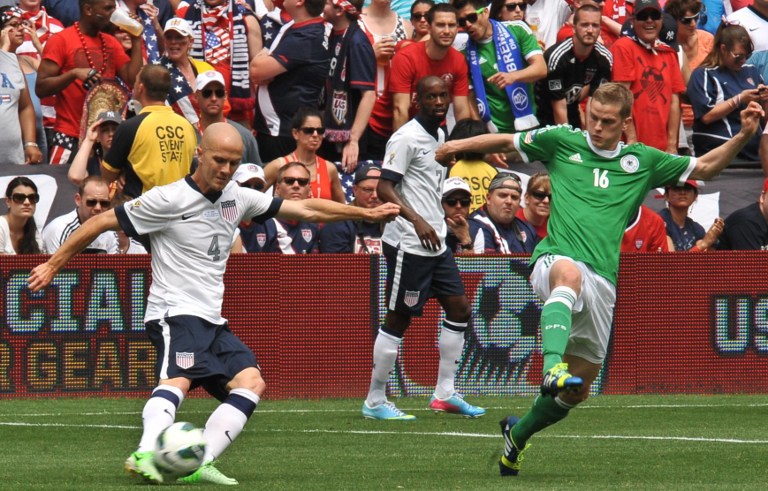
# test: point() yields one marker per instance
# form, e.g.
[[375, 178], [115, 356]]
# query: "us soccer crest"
[[261, 239], [339, 106], [411, 298], [306, 234], [229, 210], [185, 360]]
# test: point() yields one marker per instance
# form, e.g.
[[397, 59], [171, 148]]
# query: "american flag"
[[229, 210], [348, 179], [216, 45]]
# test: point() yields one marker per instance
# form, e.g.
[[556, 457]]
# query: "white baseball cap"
[[246, 172], [455, 184], [179, 25], [209, 77]]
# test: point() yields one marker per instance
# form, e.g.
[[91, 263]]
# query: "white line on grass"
[[408, 410], [419, 433]]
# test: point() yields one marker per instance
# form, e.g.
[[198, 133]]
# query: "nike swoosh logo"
[[424, 152], [226, 433], [188, 216], [754, 29]]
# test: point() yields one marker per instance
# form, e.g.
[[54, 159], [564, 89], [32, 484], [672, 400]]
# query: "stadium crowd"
[[72, 82]]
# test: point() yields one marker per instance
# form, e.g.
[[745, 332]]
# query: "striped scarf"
[[220, 37]]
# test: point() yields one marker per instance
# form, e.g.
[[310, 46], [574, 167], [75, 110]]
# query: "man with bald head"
[[191, 224]]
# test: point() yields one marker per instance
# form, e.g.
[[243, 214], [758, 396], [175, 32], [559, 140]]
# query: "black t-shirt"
[[745, 229]]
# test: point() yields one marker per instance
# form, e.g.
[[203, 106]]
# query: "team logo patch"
[[306, 234], [211, 214], [339, 106], [411, 298], [520, 98], [229, 210], [529, 137], [630, 163], [555, 85], [261, 239], [639, 244], [135, 203], [185, 360]]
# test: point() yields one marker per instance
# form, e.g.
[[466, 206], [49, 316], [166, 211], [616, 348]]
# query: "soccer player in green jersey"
[[597, 183]]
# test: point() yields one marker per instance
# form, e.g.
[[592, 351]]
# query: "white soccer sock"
[[227, 421], [384, 357], [159, 413], [451, 346]]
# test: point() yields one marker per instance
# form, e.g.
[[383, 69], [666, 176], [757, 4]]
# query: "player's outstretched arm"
[[325, 210], [711, 163], [492, 143], [42, 275]]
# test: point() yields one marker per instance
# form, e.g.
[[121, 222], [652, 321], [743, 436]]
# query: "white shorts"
[[592, 313]]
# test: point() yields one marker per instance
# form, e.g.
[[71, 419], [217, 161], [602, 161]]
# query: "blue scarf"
[[508, 59]]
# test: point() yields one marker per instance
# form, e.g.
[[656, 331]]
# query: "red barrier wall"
[[685, 323]]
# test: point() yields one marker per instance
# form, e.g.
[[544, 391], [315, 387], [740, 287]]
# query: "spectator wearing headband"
[[356, 236], [501, 232]]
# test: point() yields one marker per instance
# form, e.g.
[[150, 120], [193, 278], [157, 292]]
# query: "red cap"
[[765, 185]]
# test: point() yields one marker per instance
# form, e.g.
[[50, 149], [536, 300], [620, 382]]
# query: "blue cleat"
[[455, 405], [386, 411], [509, 463], [559, 378]]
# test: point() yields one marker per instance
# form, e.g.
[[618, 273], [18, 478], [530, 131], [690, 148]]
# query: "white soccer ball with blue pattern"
[[180, 450]]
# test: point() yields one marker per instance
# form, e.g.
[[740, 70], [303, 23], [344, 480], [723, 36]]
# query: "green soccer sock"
[[545, 412], [556, 325]]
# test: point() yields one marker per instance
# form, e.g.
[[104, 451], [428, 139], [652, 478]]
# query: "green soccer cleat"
[[210, 474], [141, 464], [559, 378]]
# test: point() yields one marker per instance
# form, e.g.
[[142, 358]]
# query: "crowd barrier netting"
[[684, 323]]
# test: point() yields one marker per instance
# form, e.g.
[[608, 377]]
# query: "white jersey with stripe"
[[411, 154], [190, 234]]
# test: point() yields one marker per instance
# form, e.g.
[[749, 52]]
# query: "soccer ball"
[[180, 449]]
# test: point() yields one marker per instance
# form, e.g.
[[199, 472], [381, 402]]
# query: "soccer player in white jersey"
[[419, 265], [598, 182], [191, 224]]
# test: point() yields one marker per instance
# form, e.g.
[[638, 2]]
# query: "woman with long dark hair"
[[18, 230], [721, 87]]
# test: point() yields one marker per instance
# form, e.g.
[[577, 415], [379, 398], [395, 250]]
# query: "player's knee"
[[250, 380]]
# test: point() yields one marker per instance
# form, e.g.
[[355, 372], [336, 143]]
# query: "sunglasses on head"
[[418, 17], [540, 195], [209, 92], [471, 18], [691, 19], [105, 203], [648, 14], [20, 198], [453, 201], [290, 181], [308, 130], [511, 7]]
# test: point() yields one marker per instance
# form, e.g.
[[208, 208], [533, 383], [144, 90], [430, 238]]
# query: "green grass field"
[[648, 442]]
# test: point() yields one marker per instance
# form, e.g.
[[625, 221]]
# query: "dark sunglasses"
[[739, 58], [453, 201], [471, 18], [418, 17], [105, 203], [648, 14], [690, 19], [540, 196], [209, 92], [20, 198], [308, 130], [290, 181], [511, 7]]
